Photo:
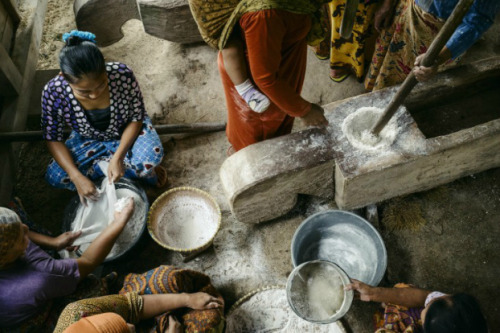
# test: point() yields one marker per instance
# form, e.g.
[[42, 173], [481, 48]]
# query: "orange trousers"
[[276, 54]]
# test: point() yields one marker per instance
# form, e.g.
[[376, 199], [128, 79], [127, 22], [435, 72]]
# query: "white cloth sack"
[[96, 216]]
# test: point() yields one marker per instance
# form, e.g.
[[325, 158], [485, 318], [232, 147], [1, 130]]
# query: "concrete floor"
[[455, 250]]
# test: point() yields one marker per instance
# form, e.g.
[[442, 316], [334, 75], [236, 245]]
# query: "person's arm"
[[100, 247], [116, 169], [409, 297], [61, 154], [154, 305], [423, 73], [63, 241], [135, 101], [478, 19], [264, 33]]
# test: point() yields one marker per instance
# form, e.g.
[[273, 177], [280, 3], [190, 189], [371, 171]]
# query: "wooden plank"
[[8, 35], [3, 18], [11, 9], [197, 128], [10, 77]]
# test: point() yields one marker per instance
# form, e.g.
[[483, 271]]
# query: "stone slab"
[[262, 180], [104, 18], [169, 19]]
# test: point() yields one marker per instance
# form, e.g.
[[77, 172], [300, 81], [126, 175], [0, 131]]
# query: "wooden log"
[[7, 137], [429, 59], [104, 18], [169, 19]]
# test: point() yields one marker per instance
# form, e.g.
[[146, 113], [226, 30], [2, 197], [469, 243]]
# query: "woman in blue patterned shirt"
[[402, 44], [102, 104]]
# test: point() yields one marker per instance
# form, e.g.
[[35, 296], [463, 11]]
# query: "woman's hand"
[[86, 189], [315, 117], [125, 214], [65, 240], [363, 290], [173, 325], [116, 169], [423, 73], [203, 301], [383, 15]]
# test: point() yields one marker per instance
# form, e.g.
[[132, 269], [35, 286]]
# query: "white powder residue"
[[349, 247], [187, 222], [317, 292], [120, 204], [268, 311], [132, 229], [312, 142], [357, 128]]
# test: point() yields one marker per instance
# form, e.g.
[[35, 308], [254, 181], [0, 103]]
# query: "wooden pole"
[[6, 137], [429, 59], [348, 19]]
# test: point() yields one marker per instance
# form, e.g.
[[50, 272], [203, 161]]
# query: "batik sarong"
[[346, 53], [217, 18], [168, 279], [397, 47], [129, 306], [397, 318], [141, 159]]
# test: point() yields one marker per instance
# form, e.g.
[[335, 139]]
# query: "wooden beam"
[[6, 137], [10, 77], [11, 9]]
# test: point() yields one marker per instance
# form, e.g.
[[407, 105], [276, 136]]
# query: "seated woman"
[[103, 105], [409, 309], [157, 293], [31, 278]]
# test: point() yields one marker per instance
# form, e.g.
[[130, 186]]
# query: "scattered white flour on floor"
[[357, 128], [132, 230], [317, 292], [187, 222], [268, 311]]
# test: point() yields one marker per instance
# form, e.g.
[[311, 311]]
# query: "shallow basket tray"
[[272, 307], [162, 200]]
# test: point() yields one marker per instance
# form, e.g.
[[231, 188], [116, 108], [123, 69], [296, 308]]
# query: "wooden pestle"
[[429, 59], [348, 19]]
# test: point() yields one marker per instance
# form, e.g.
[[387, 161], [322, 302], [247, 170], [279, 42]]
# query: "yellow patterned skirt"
[[346, 53]]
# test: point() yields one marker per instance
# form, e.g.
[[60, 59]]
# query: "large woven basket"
[[181, 214]]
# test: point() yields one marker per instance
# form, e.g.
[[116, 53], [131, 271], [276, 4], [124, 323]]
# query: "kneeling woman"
[[103, 105]]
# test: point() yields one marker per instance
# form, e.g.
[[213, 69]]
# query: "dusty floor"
[[456, 250]]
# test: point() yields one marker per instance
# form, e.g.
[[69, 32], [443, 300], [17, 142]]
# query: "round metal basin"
[[315, 291], [345, 239]]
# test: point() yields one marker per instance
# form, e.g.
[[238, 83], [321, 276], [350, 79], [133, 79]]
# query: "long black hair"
[[80, 57], [459, 313]]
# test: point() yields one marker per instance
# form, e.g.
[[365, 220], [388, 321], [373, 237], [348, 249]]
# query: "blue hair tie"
[[84, 35]]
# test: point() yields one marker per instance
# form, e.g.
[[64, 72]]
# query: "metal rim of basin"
[[348, 294], [72, 207], [376, 280], [164, 197]]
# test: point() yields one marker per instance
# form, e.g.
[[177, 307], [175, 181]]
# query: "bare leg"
[[234, 63]]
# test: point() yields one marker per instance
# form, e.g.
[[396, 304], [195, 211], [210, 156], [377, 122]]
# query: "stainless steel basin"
[[345, 239]]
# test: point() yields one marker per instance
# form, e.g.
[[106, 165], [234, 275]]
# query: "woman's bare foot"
[[339, 74]]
